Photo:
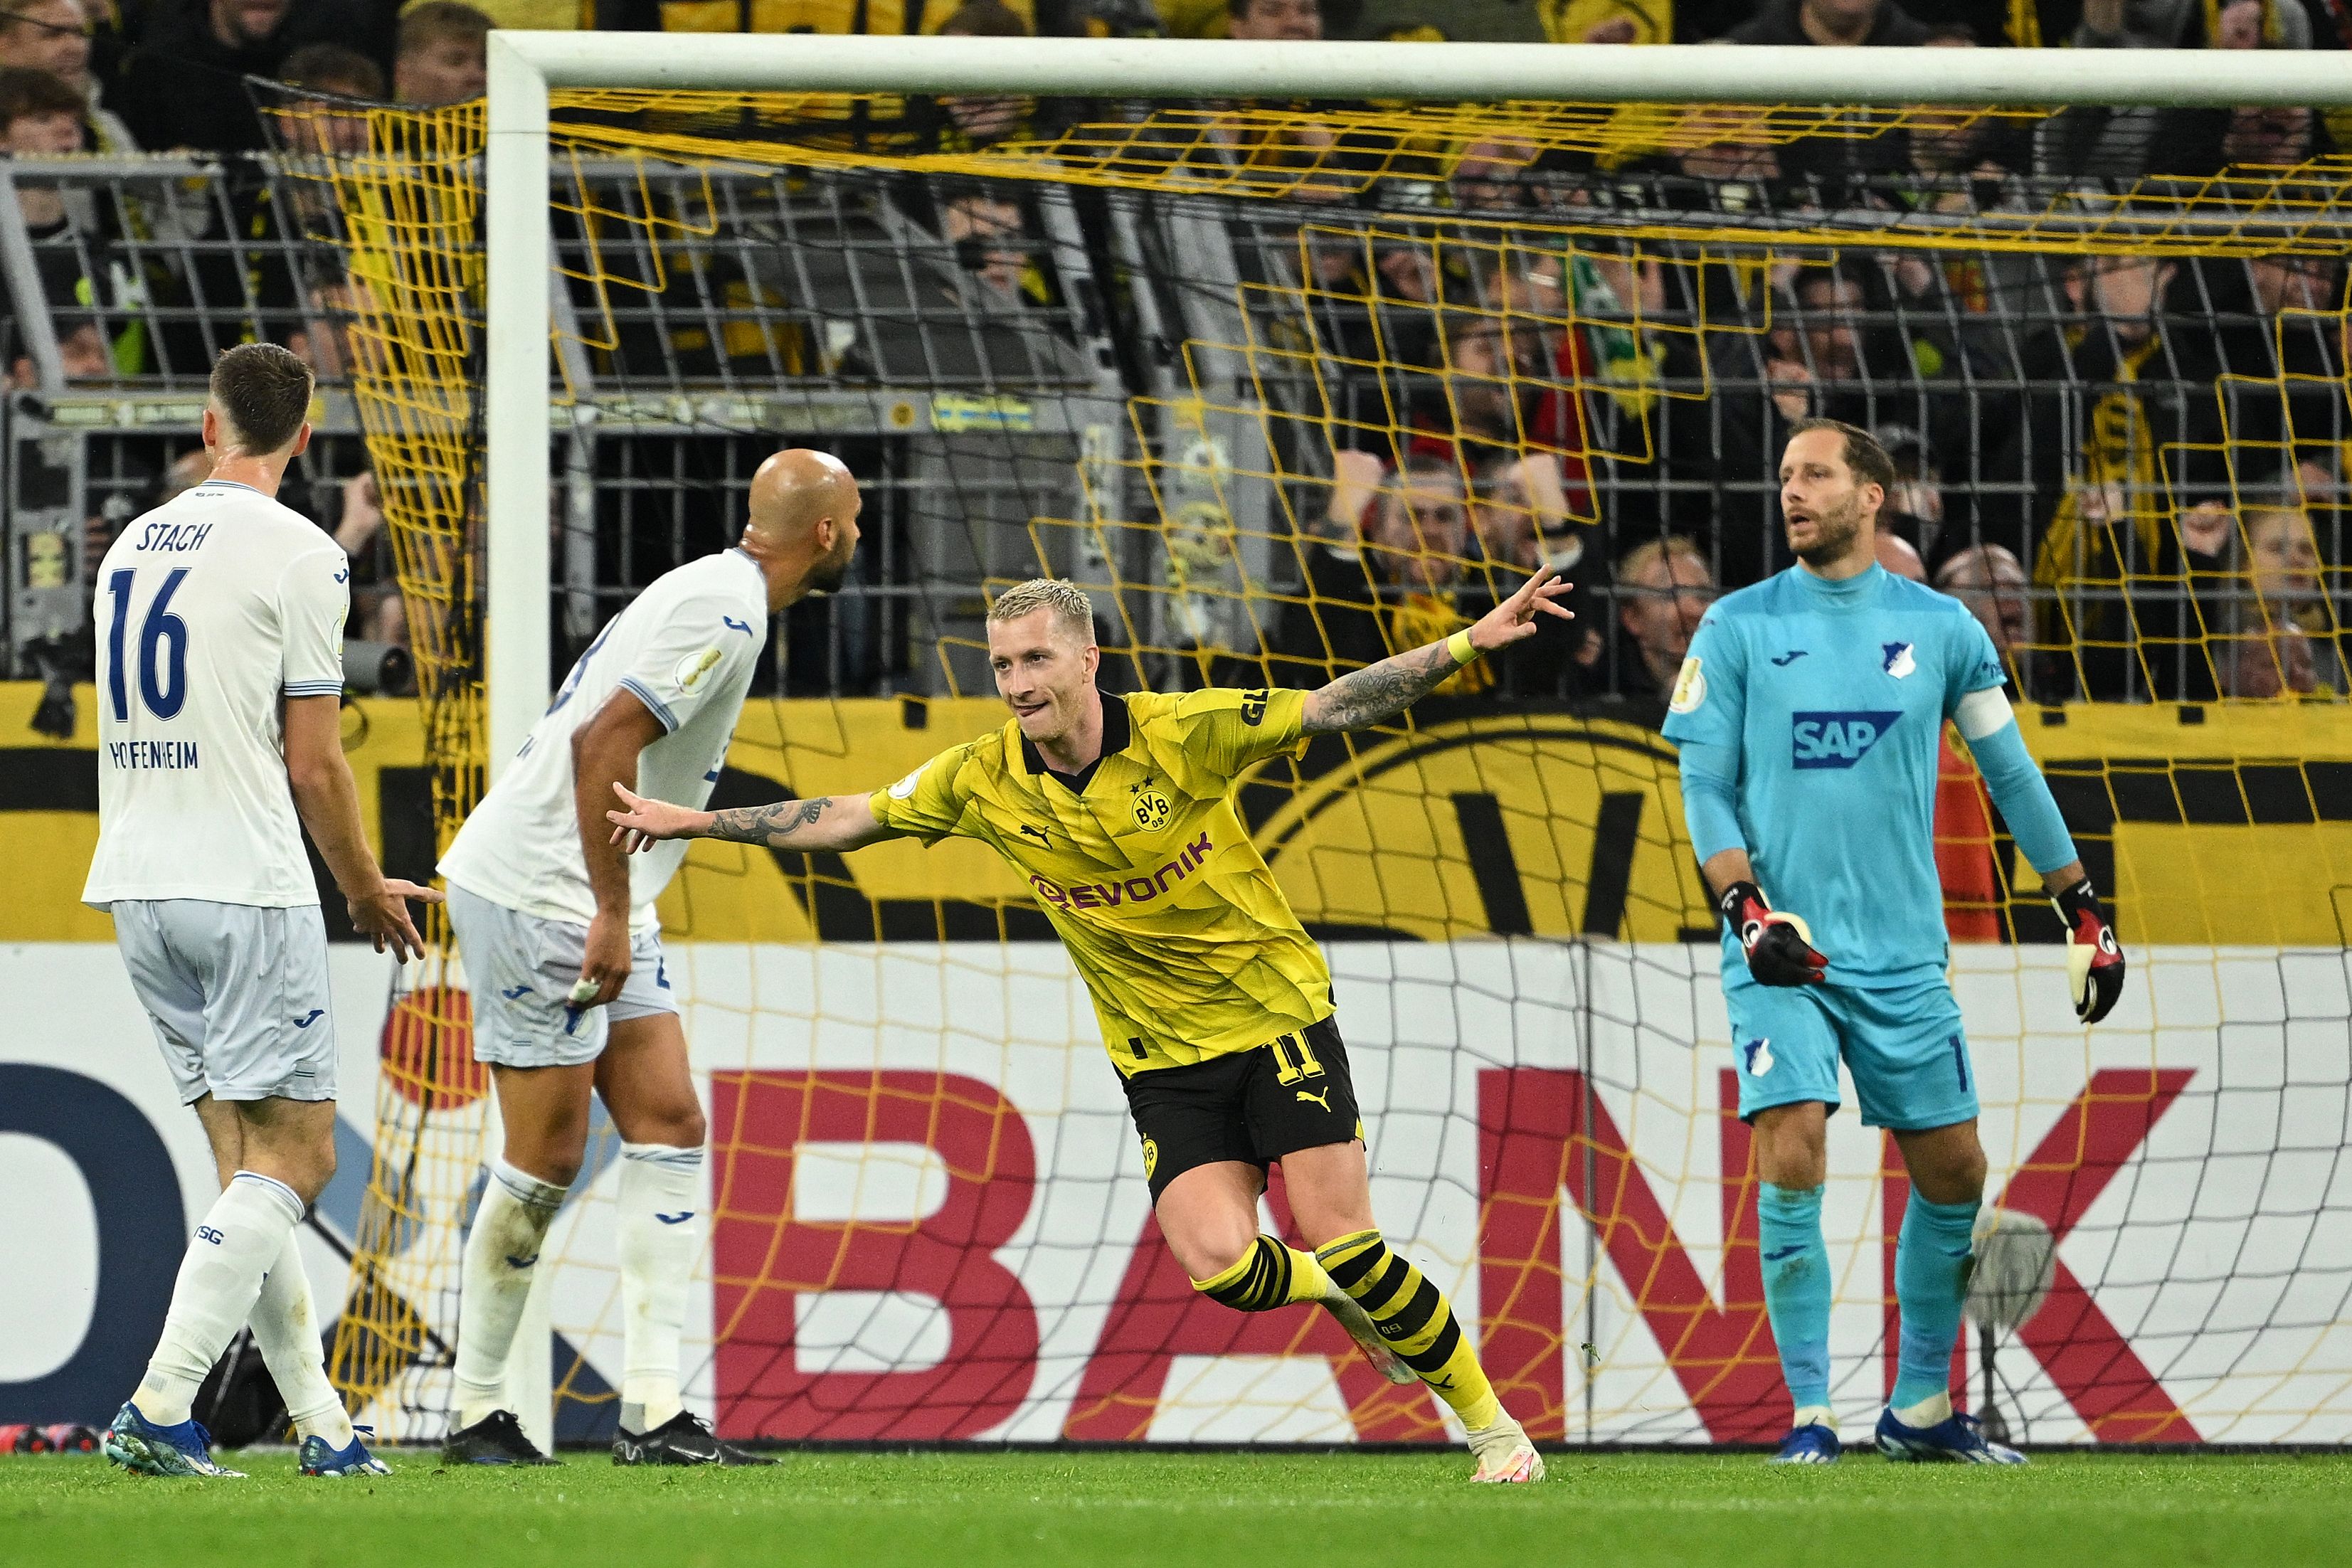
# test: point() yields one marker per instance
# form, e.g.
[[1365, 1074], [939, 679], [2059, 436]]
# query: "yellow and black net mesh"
[[1287, 387]]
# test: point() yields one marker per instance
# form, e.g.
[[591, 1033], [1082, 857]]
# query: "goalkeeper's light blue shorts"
[[1904, 1047]]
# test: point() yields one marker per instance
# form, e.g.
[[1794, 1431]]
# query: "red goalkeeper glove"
[[1780, 948], [2095, 960]]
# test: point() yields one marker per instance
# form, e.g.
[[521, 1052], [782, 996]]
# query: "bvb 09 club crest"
[[1151, 808]]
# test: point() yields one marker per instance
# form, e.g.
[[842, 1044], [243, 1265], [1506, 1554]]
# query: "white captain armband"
[[1982, 714]]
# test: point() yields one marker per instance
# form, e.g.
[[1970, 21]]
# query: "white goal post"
[[524, 65]]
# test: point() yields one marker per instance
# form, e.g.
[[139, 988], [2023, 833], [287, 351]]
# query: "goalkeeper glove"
[[2095, 963], [1780, 948]]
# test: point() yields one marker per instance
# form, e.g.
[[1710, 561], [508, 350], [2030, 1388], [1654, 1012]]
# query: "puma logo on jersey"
[[1036, 833], [312, 1016], [1895, 657], [1835, 739], [1323, 1100]]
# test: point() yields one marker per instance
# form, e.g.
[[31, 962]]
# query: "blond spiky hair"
[[1073, 611]]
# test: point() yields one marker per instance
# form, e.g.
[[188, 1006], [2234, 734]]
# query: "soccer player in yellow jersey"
[[1215, 1002]]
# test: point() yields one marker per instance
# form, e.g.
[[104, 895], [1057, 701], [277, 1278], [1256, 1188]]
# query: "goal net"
[[1287, 384]]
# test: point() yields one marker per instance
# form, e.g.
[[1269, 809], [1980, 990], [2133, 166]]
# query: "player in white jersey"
[[563, 951], [220, 738]]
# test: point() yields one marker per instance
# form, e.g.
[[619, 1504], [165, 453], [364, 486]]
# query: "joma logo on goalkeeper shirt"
[[1835, 739], [1127, 890]]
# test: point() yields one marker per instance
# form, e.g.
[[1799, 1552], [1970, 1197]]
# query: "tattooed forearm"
[[1378, 691], [773, 825]]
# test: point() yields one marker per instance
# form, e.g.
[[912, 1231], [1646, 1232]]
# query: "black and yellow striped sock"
[[1416, 1320], [1269, 1275]]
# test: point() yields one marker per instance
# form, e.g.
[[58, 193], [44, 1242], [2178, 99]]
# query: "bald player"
[[562, 953]]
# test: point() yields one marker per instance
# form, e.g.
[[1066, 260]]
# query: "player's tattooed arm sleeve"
[[1378, 691], [825, 823], [2014, 780], [829, 821], [1710, 775]]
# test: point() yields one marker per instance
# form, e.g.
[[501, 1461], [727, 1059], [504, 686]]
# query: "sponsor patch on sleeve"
[[1690, 688], [905, 788], [693, 667]]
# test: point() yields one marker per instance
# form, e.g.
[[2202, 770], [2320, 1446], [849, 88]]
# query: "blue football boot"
[[1812, 1444], [144, 1449], [1957, 1439], [351, 1459]]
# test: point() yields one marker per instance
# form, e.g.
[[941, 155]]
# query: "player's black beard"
[[826, 576], [1834, 534]]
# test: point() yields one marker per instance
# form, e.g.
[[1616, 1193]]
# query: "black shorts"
[[1292, 1093]]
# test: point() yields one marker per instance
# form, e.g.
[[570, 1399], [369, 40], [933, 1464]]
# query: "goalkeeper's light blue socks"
[[1797, 1293], [1931, 1263]]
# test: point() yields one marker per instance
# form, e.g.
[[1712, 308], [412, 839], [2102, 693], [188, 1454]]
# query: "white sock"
[[500, 1256], [220, 1276], [1932, 1411], [285, 1327], [660, 1233], [1814, 1416]]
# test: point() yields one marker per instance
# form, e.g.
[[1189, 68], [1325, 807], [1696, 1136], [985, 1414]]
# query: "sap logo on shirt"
[[1836, 740]]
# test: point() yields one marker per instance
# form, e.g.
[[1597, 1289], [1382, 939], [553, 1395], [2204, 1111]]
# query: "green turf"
[[1196, 1510]]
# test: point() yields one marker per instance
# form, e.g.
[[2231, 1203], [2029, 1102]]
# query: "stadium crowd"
[[2177, 542]]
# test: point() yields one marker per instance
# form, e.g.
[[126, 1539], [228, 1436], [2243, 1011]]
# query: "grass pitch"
[[1194, 1510]]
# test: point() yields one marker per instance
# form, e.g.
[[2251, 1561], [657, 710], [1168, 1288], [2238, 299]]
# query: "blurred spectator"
[[1831, 300], [179, 85], [1895, 552], [52, 35], [82, 349], [990, 238], [1275, 21], [323, 340], [1494, 173], [378, 613], [2119, 143], [317, 123], [41, 117], [1386, 569], [440, 59], [1993, 586], [332, 68], [2280, 638], [2092, 514], [963, 123], [1831, 23], [2280, 339], [1915, 506], [1663, 591]]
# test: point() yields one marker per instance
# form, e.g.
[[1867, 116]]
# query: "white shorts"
[[238, 994], [522, 968]]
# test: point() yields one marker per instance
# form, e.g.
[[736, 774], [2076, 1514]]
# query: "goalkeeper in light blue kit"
[[1810, 716]]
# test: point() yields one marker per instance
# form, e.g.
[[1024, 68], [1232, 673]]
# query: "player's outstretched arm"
[[328, 801], [829, 821], [1385, 690]]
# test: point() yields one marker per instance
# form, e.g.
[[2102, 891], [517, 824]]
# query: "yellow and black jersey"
[[1185, 942]]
